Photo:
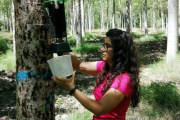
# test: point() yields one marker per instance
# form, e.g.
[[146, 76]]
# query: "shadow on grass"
[[152, 51], [7, 99], [162, 97]]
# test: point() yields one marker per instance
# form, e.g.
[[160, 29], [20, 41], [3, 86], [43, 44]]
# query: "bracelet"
[[72, 91]]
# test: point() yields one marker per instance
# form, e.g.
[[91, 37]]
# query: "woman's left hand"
[[67, 84]]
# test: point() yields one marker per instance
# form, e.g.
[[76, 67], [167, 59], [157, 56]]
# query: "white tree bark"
[[72, 17], [82, 18], [145, 18], [162, 17], [78, 23], [179, 17], [120, 14], [135, 20], [113, 17], [107, 14], [13, 24], [140, 19], [131, 25], [154, 16], [89, 13], [102, 15], [172, 43]]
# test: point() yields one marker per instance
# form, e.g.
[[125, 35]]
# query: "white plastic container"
[[61, 66]]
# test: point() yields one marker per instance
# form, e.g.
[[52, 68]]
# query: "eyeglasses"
[[106, 46]]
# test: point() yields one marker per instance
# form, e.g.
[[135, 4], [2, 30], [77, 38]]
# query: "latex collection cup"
[[61, 66]]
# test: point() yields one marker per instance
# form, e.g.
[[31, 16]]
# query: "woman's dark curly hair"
[[125, 60]]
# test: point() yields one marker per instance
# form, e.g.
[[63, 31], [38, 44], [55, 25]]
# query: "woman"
[[118, 78]]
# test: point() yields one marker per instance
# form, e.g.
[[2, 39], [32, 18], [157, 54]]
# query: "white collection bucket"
[[61, 66]]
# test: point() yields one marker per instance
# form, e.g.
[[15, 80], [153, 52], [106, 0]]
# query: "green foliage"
[[87, 48], [7, 58], [1, 25], [90, 36], [7, 61], [162, 96], [72, 40], [3, 45], [59, 100]]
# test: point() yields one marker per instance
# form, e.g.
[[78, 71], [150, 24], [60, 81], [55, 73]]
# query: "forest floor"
[[66, 106]]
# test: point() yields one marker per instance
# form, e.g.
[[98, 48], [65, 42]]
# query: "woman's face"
[[107, 51]]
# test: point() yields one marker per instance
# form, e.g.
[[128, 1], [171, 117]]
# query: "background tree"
[[172, 41], [89, 15], [82, 18], [145, 18], [113, 15], [78, 23], [128, 21]]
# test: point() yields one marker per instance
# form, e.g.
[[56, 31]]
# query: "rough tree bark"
[[35, 89]]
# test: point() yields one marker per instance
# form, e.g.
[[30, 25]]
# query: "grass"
[[87, 48], [85, 115], [7, 58], [7, 61]]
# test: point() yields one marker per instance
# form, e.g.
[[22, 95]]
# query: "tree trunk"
[[72, 18], [162, 17], [89, 10], [35, 89], [5, 21], [131, 25], [107, 14], [120, 14], [134, 20], [145, 18], [154, 16], [128, 21], [140, 19], [113, 17], [82, 18], [172, 43], [179, 17], [7, 13], [13, 24], [86, 22], [78, 23], [102, 15]]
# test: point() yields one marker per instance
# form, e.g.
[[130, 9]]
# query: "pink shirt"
[[120, 83]]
